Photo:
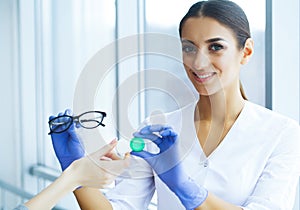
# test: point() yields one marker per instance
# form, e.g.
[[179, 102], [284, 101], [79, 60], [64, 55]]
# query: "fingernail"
[[113, 141], [127, 157]]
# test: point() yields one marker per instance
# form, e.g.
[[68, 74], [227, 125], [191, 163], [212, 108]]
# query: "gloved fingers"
[[158, 141], [73, 134], [143, 154], [77, 125], [57, 134], [51, 117], [153, 137], [72, 131], [145, 130], [159, 128], [60, 114], [168, 132], [60, 120], [155, 132], [153, 128], [60, 123], [68, 112]]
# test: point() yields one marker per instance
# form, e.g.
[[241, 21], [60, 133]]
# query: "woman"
[[222, 151], [243, 156]]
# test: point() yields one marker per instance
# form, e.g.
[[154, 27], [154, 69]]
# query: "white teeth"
[[203, 76]]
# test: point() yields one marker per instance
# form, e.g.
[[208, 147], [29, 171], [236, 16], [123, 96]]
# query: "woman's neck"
[[220, 107]]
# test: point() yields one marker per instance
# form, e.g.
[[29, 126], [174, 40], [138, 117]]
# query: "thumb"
[[72, 132], [143, 154], [104, 150]]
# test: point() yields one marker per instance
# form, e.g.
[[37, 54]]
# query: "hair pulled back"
[[225, 12]]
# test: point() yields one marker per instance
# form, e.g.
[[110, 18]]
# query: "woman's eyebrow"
[[187, 41], [214, 40], [207, 41]]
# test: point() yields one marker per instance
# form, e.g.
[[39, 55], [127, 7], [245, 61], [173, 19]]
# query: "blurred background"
[[46, 44]]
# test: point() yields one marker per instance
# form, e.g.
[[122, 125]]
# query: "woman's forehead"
[[202, 29]]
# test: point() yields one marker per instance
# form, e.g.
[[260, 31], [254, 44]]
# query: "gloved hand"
[[67, 145], [167, 165]]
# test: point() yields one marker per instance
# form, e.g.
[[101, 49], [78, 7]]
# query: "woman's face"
[[211, 57]]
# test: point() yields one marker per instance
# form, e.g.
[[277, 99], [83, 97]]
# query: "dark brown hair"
[[225, 12]]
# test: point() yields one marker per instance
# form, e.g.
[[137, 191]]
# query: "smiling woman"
[[239, 151], [256, 12]]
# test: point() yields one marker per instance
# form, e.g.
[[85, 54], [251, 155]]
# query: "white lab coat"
[[256, 166]]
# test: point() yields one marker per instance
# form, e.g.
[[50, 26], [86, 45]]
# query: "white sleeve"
[[134, 188], [276, 187]]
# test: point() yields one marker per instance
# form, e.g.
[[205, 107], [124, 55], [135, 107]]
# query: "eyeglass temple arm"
[[100, 123]]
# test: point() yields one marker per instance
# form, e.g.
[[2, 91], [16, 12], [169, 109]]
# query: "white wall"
[[10, 152], [286, 96], [286, 58]]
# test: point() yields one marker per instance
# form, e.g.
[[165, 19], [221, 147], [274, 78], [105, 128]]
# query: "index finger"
[[154, 128], [113, 156]]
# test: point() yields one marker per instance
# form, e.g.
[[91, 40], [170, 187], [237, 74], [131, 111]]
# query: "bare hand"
[[98, 169]]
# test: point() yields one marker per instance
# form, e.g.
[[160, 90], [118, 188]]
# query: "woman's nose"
[[201, 60]]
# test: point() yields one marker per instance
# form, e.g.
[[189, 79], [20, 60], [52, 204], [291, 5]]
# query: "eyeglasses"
[[88, 120]]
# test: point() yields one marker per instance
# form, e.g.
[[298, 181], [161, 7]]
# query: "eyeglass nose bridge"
[[76, 121]]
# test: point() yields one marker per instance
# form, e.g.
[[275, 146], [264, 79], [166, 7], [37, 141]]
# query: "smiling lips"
[[203, 77]]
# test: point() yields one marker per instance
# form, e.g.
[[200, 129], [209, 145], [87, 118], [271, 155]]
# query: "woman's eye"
[[216, 47], [189, 49]]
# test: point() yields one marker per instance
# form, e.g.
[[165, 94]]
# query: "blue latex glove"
[[67, 145], [167, 165]]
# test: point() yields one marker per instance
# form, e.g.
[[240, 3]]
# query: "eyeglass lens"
[[91, 119], [60, 124]]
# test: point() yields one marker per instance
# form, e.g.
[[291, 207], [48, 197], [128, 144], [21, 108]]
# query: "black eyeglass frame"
[[76, 120]]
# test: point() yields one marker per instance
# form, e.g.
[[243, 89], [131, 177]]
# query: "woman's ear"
[[247, 51]]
